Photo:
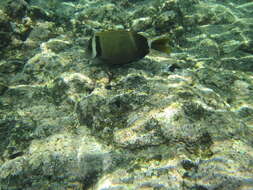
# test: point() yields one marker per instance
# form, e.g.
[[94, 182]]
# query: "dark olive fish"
[[122, 46]]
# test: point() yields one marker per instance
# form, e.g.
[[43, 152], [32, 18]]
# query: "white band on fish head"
[[149, 44], [94, 47]]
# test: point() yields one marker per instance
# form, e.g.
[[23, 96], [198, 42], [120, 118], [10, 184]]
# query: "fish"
[[123, 46]]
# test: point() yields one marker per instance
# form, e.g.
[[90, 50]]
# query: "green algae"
[[66, 124]]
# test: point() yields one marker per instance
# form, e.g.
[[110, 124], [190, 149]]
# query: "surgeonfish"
[[123, 46]]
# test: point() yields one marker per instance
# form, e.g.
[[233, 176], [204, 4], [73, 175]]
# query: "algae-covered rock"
[[11, 66], [5, 30], [71, 88], [231, 46], [44, 61], [208, 48], [180, 122], [40, 33], [141, 23], [165, 20], [16, 8], [38, 13], [3, 85], [77, 163], [56, 45]]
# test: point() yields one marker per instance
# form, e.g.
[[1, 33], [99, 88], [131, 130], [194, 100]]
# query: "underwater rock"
[[231, 46], [245, 112], [141, 24], [140, 133], [169, 174], [71, 87], [56, 45], [103, 114], [104, 11], [65, 10], [242, 64], [134, 123], [5, 39], [43, 66], [11, 66], [46, 5], [208, 48], [178, 122], [3, 87], [38, 13], [247, 46], [5, 30], [143, 12], [16, 8], [242, 88], [220, 81], [165, 20], [246, 7], [214, 14], [24, 126], [40, 33], [78, 162]]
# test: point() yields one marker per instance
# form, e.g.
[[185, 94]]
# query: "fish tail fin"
[[161, 44]]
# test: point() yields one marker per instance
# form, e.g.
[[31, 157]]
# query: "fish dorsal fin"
[[160, 44]]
